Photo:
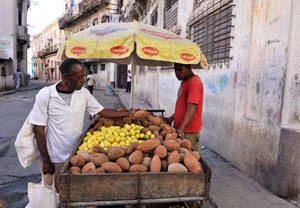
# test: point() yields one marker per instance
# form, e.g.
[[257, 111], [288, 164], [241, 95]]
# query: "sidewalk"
[[230, 188], [34, 84]]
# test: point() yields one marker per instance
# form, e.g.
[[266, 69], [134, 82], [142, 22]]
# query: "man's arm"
[[191, 109], [106, 113], [41, 141], [171, 118]]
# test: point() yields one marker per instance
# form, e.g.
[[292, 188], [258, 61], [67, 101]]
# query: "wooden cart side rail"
[[142, 201], [208, 173]]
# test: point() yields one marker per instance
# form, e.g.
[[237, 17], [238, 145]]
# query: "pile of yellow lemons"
[[115, 136]]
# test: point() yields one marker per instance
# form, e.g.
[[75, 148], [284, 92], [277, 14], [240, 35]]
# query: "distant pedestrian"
[[28, 78], [128, 87], [46, 77], [17, 77], [90, 82]]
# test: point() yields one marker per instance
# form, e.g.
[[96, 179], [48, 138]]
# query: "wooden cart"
[[113, 189]]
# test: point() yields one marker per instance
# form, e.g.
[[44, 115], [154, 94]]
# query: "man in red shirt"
[[188, 110]]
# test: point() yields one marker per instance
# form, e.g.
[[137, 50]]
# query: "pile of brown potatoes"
[[165, 153]]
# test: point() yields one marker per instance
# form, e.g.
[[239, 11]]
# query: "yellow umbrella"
[[135, 43]]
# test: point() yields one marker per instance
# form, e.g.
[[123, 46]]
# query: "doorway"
[[121, 80]]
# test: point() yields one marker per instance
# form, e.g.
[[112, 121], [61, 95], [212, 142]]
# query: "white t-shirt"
[[90, 81], [128, 77], [64, 122]]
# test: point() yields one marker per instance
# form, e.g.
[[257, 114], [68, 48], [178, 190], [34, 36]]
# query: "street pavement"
[[229, 188]]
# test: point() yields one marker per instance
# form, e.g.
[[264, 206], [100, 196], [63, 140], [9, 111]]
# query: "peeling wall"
[[251, 110]]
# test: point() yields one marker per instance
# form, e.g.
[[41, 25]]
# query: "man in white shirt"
[[128, 86], [17, 77], [90, 82], [61, 107]]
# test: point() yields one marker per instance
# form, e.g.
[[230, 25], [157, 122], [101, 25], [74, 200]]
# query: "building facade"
[[45, 46], [14, 41], [251, 110], [88, 13]]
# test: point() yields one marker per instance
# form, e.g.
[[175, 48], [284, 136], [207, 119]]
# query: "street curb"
[[22, 90]]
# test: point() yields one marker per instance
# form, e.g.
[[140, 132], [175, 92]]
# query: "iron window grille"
[[142, 70], [102, 67], [171, 12], [211, 30], [153, 18], [95, 68]]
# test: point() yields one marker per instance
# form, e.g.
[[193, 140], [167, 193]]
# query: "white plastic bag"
[[42, 196], [25, 144]]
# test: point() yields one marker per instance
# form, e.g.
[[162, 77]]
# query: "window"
[[95, 68], [2, 67], [81, 27], [211, 30], [102, 67], [142, 69], [170, 3], [153, 18], [88, 24], [170, 16], [95, 21], [20, 12]]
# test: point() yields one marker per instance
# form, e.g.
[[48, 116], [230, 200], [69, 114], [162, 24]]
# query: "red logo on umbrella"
[[204, 63], [150, 51], [78, 50], [188, 57], [119, 50]]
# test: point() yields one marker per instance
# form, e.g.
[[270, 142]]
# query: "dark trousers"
[[128, 87], [90, 88]]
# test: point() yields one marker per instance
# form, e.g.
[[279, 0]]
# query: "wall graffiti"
[[223, 81], [211, 86]]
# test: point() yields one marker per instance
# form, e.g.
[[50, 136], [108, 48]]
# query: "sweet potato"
[[88, 168], [98, 149], [186, 144], [122, 109], [111, 167], [97, 125], [99, 170], [169, 136], [116, 152], [119, 123], [123, 163], [75, 170], [192, 163], [177, 168], [146, 161], [183, 150], [98, 159], [146, 123], [156, 133], [109, 122], [161, 151], [145, 130], [127, 120], [171, 145], [196, 155], [136, 157], [174, 134], [138, 168], [137, 122], [174, 157], [148, 145], [129, 149], [78, 160], [163, 133], [159, 137], [155, 164], [154, 128], [84, 154], [134, 145], [139, 114]]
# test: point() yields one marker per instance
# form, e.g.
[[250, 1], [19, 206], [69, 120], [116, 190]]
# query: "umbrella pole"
[[133, 67]]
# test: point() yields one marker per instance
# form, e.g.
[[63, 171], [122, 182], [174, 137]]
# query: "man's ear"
[[65, 76]]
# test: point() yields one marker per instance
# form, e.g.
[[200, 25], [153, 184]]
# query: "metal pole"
[[133, 66]]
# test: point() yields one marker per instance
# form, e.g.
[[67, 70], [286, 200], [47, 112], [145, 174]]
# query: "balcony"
[[22, 34], [86, 8], [47, 51]]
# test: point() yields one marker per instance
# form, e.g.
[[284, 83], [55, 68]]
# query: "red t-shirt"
[[190, 91]]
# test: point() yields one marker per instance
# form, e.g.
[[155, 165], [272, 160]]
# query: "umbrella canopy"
[[136, 43]]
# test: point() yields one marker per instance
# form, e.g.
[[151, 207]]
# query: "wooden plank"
[[169, 185], [103, 187]]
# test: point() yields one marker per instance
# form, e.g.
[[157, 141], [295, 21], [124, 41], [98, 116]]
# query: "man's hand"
[[48, 167], [180, 133], [132, 112]]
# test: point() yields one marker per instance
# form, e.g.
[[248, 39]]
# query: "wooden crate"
[[131, 188]]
